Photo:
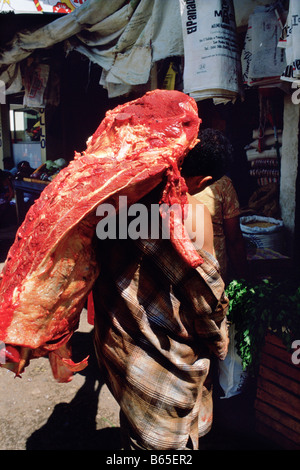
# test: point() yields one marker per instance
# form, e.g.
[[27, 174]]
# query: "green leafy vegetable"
[[256, 307]]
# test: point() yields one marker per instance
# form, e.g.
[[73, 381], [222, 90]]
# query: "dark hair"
[[212, 156]]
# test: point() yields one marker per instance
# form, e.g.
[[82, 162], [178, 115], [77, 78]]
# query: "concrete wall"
[[289, 169]]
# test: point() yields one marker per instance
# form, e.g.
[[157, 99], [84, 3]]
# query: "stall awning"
[[124, 37]]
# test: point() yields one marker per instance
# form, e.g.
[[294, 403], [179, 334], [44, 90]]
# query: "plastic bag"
[[232, 377]]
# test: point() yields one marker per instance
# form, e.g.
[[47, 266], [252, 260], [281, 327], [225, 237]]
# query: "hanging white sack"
[[212, 66], [35, 82], [290, 42], [267, 59], [261, 57]]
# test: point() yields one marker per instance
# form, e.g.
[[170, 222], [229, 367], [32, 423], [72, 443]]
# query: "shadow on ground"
[[73, 426], [234, 425]]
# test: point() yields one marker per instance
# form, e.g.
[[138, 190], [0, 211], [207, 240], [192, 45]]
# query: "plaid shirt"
[[156, 323]]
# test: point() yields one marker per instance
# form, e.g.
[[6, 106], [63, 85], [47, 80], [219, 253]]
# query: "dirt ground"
[[38, 413]]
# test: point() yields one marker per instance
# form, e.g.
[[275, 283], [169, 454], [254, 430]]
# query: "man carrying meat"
[[157, 323], [160, 307]]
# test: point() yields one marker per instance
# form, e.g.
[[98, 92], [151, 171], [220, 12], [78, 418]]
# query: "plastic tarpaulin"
[[124, 38], [152, 33], [25, 42]]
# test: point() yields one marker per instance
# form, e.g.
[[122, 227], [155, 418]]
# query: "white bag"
[[36, 79], [262, 59], [231, 374], [290, 42], [212, 67]]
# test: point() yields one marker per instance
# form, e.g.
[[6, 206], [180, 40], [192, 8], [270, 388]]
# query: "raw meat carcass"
[[51, 267]]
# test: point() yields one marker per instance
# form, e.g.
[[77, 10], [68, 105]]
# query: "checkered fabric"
[[157, 322]]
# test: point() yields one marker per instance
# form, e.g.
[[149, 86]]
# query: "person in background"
[[8, 163], [204, 170]]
